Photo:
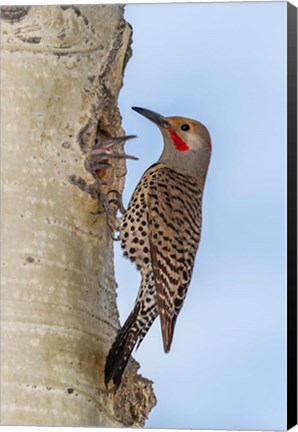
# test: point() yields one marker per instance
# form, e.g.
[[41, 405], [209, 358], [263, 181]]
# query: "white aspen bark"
[[61, 72]]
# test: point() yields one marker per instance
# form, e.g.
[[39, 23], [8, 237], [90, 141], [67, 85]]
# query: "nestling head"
[[187, 143]]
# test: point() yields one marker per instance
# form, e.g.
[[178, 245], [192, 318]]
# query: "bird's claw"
[[112, 220], [117, 201]]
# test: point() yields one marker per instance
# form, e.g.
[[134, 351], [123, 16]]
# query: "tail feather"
[[131, 334], [121, 349], [167, 328], [133, 331]]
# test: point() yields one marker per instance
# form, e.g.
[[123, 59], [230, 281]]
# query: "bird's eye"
[[185, 127]]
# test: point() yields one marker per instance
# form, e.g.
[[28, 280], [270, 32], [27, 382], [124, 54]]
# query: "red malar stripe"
[[178, 142]]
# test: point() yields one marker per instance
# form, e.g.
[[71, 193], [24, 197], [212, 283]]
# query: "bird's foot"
[[106, 203], [112, 220], [117, 200]]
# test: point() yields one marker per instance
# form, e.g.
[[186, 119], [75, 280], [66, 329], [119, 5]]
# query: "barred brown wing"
[[174, 227]]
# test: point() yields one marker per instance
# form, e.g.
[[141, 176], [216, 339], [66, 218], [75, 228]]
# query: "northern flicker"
[[160, 232]]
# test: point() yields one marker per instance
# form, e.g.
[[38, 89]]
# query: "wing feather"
[[174, 224]]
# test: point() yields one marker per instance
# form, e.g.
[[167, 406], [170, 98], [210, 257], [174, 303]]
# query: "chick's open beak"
[[156, 118]]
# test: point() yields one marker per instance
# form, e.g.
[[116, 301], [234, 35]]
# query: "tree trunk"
[[61, 72]]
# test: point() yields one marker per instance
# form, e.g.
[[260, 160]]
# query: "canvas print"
[[149, 215]]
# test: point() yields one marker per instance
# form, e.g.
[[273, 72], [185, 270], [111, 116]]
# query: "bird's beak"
[[156, 118]]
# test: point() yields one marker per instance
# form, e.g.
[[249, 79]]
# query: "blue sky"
[[222, 64]]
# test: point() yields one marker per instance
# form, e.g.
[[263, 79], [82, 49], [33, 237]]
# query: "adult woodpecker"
[[160, 232]]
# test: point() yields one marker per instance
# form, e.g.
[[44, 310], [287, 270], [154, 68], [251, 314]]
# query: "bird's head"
[[187, 143]]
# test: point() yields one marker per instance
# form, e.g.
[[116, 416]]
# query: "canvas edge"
[[291, 215]]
